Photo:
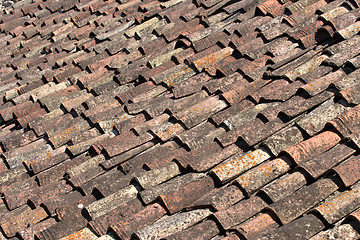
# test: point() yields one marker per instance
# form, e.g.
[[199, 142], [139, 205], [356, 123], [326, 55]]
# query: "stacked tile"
[[148, 119]]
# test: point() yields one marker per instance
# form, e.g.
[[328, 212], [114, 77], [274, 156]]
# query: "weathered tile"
[[57, 172], [83, 167], [339, 58], [239, 164], [348, 81], [238, 91], [48, 192], [46, 123], [181, 28], [123, 157], [351, 95], [291, 207], [64, 136], [84, 233], [192, 85], [344, 20], [344, 230], [237, 111], [347, 122], [354, 215], [22, 220], [309, 148], [26, 153], [257, 226], [30, 232], [254, 137], [147, 216], [81, 147], [213, 58], [153, 157], [116, 180], [339, 205], [203, 230], [257, 177], [315, 121], [142, 68], [333, 13], [12, 173], [102, 224], [112, 201], [317, 72], [322, 163], [302, 10], [320, 84], [230, 237], [175, 75], [200, 135], [232, 136], [43, 164], [348, 170], [158, 175], [71, 221], [239, 212], [180, 198], [149, 195], [115, 146], [246, 115], [300, 107], [200, 111], [354, 62], [283, 139], [219, 198], [301, 228], [18, 140], [284, 186], [170, 225]]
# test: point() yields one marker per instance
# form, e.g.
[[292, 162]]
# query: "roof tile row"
[[179, 120]]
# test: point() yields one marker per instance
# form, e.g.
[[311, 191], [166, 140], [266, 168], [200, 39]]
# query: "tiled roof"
[[152, 119]]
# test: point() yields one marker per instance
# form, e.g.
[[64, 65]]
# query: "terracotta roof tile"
[[123, 157], [338, 205], [145, 217], [158, 175], [205, 229], [320, 164], [101, 224], [232, 136], [29, 233], [347, 230], [110, 107], [184, 196], [173, 224], [284, 186], [283, 139], [102, 206], [347, 170], [219, 198], [239, 164], [289, 208], [301, 228], [149, 195], [316, 120], [257, 177], [257, 226], [71, 221], [239, 212], [311, 147], [350, 95], [21, 221]]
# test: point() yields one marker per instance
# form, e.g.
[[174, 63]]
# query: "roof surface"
[[180, 119]]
